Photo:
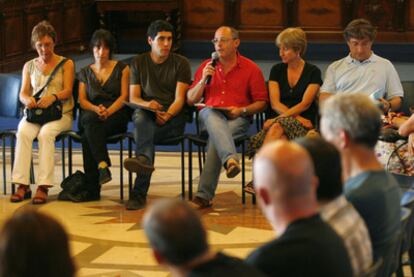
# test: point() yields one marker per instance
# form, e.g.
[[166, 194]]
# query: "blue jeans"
[[221, 147], [147, 134]]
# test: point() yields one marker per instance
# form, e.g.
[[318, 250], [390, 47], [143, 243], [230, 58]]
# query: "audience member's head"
[[159, 26], [350, 118], [327, 163], [294, 38], [285, 182], [175, 232], [360, 29], [102, 37], [226, 41], [34, 244], [42, 29]]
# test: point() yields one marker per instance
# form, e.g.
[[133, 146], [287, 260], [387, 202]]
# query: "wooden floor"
[[107, 240]]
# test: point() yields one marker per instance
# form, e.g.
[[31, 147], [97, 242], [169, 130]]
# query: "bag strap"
[[52, 75]]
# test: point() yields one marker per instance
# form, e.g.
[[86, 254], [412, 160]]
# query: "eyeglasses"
[[222, 40]]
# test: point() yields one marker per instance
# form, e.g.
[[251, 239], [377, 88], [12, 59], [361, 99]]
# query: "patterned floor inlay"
[[107, 240]]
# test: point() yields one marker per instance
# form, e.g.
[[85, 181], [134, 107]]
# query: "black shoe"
[[104, 175], [140, 164], [136, 202], [199, 203], [84, 196]]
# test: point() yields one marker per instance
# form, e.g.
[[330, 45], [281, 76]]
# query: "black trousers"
[[94, 132]]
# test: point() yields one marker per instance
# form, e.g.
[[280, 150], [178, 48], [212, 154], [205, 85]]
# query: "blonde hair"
[[294, 38], [43, 28]]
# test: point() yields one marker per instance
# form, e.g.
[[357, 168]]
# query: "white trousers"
[[46, 136]]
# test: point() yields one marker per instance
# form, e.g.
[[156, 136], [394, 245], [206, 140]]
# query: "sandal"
[[23, 192], [41, 195]]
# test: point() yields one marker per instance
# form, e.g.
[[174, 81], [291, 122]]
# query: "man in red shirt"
[[236, 84]]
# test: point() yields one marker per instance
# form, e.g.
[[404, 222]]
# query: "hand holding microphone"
[[209, 69]]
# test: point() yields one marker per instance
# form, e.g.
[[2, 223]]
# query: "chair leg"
[[12, 142], [32, 177], [63, 159], [190, 170], [70, 155], [129, 173], [243, 174], [3, 138], [121, 169], [182, 170], [200, 162]]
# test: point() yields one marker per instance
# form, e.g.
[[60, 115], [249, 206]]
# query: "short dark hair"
[[103, 37], [360, 29], [159, 26], [43, 28], [327, 163], [175, 231], [34, 244]]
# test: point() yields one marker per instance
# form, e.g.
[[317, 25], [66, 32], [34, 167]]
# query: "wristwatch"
[[244, 112]]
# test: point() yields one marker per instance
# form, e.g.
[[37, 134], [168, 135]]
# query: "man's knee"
[[210, 116], [141, 117]]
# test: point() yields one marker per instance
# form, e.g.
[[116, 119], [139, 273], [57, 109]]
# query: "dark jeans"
[[147, 134], [94, 133]]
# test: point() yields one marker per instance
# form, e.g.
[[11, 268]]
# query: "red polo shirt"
[[240, 87]]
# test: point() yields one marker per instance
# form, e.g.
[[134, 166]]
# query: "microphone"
[[214, 57]]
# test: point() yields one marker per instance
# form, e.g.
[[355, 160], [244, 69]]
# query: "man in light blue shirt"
[[362, 71]]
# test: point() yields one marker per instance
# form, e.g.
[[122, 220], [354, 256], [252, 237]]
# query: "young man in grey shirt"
[[159, 81]]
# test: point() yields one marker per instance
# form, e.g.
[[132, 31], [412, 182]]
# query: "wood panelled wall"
[[261, 20], [323, 20], [74, 20]]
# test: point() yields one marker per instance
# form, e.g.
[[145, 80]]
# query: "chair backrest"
[[392, 262], [408, 101], [9, 95]]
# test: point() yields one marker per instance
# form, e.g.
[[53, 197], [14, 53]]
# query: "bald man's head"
[[284, 168]]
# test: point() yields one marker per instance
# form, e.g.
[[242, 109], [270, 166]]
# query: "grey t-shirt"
[[158, 81], [376, 196]]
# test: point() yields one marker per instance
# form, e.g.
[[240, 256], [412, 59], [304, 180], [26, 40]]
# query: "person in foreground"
[[306, 245], [237, 86], [36, 245], [159, 81], [35, 75], [179, 242], [362, 71], [352, 123], [103, 87], [334, 208]]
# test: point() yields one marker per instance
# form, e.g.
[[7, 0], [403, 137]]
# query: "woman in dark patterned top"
[[103, 87], [293, 87]]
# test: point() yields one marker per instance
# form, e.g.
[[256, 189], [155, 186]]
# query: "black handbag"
[[51, 113]]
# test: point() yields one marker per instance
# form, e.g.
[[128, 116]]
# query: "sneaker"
[[136, 202], [104, 175], [232, 168], [199, 203], [249, 188], [138, 164]]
